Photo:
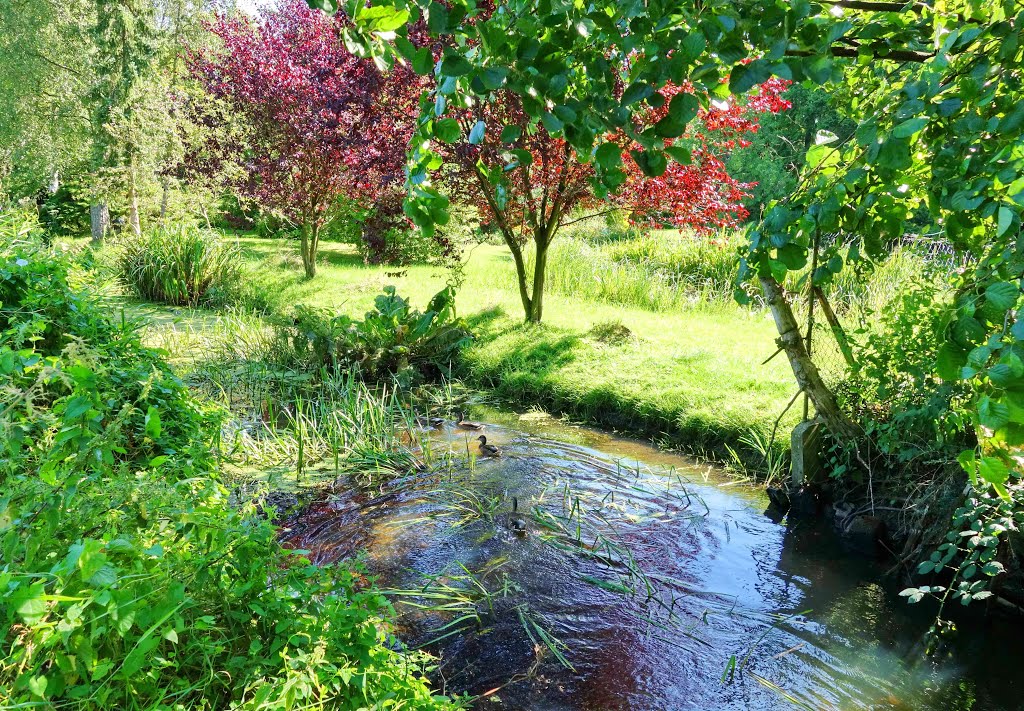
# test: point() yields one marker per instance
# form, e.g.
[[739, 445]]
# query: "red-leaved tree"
[[318, 122], [530, 184]]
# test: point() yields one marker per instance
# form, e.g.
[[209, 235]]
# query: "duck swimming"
[[487, 450], [516, 522], [463, 424]]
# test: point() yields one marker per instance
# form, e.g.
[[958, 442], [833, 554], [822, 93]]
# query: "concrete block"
[[806, 467]]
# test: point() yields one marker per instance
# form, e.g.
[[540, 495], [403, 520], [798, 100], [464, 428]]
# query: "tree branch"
[[46, 59], [896, 55], [877, 5]]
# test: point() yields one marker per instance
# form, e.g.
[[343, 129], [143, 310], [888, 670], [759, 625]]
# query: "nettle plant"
[[935, 90]]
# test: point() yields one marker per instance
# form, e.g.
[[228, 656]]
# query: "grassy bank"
[[692, 377]]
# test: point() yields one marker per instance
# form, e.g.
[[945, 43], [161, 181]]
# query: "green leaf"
[[793, 256], [476, 135], [680, 154], [745, 77], [511, 134], [153, 423], [652, 162], [608, 156], [993, 470], [1004, 220], [1002, 295], [447, 130], [681, 110], [552, 123], [909, 127], [493, 77], [637, 91], [37, 685], [30, 603], [455, 65]]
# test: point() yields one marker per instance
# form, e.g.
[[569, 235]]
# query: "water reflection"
[[646, 574]]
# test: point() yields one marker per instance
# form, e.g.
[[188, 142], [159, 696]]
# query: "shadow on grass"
[[482, 324]]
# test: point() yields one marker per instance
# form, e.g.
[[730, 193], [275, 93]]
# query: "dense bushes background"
[[127, 579]]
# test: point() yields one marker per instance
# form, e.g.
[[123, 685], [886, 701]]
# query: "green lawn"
[[692, 379]]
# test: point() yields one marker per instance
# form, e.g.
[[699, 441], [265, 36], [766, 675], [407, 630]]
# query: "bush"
[[393, 340], [65, 212], [180, 266], [128, 581]]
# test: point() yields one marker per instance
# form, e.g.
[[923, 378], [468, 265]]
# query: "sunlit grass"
[[690, 377]]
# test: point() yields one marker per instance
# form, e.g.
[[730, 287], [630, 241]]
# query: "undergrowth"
[[127, 579]]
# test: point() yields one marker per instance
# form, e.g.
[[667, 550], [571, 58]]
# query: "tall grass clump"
[[656, 271], [181, 266]]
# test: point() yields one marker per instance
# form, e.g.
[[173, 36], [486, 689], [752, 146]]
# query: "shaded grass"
[[690, 378]]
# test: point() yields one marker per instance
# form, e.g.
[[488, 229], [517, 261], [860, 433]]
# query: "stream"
[[644, 581]]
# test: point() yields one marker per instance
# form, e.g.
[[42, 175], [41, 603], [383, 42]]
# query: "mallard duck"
[[516, 522], [463, 424], [487, 450]]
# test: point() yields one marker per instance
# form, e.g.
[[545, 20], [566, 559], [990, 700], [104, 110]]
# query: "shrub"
[[128, 580], [393, 340], [65, 212], [180, 266]]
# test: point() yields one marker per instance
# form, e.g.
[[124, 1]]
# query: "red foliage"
[[320, 122], [700, 195]]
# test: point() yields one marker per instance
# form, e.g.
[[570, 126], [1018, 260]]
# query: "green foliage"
[[776, 153], [392, 340], [180, 266], [127, 578], [913, 416], [65, 212]]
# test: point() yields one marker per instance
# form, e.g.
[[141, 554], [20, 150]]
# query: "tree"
[[530, 183], [124, 35], [776, 153], [45, 131], [319, 122]]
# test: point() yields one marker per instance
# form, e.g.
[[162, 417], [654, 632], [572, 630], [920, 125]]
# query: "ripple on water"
[[653, 572]]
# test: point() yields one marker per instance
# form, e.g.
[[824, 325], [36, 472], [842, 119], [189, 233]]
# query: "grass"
[[688, 377]]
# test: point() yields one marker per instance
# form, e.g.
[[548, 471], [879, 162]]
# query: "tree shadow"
[[483, 322]]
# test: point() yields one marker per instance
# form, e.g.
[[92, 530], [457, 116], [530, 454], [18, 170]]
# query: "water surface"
[[659, 582]]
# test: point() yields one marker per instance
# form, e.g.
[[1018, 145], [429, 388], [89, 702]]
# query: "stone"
[[805, 502]]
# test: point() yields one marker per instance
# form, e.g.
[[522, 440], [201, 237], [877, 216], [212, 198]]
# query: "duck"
[[487, 450], [463, 424], [516, 522]]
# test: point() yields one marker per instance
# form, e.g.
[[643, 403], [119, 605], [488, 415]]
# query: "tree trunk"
[[535, 313], [308, 247], [133, 207], [165, 185], [806, 373], [99, 220]]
